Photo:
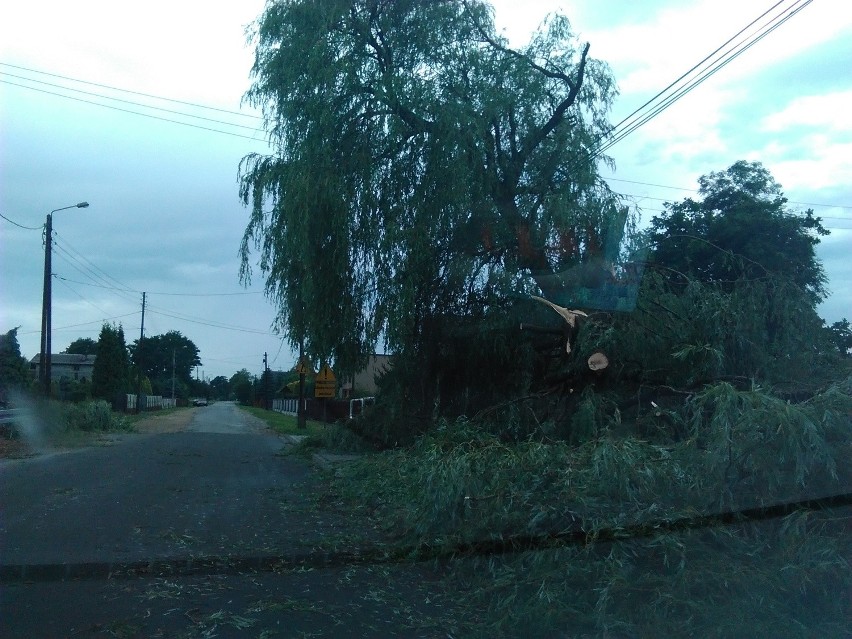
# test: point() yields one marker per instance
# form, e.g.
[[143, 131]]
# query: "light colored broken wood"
[[598, 361]]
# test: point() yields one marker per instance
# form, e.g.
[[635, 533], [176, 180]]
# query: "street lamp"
[[44, 360]]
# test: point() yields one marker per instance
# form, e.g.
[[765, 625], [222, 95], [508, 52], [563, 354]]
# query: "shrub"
[[94, 416]]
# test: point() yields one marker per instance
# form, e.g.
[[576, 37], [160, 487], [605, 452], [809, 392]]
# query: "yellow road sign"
[[326, 374], [325, 383]]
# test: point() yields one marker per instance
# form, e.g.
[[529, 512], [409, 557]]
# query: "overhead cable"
[[633, 122], [140, 93], [131, 102], [28, 228], [144, 115]]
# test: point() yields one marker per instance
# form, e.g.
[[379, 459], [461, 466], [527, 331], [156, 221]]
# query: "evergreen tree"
[[110, 375], [14, 370]]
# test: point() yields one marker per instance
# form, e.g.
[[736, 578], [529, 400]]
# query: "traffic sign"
[[325, 383], [326, 374]]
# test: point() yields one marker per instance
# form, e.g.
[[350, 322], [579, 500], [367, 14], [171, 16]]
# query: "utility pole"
[[44, 363], [44, 360], [266, 402], [139, 359], [300, 409], [173, 374]]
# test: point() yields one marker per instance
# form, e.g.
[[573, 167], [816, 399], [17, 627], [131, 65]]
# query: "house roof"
[[66, 359]]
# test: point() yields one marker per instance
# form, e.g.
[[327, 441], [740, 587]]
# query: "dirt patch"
[[172, 422], [14, 448]]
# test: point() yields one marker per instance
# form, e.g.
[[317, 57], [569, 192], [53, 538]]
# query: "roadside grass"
[[54, 424], [285, 424], [317, 435]]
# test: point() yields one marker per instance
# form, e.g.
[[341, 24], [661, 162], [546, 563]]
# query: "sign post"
[[300, 408], [325, 386]]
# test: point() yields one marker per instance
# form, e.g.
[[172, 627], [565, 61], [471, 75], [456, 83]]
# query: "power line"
[[103, 283], [104, 319], [634, 121], [144, 115], [29, 228], [210, 324], [90, 273], [147, 95], [131, 102], [680, 188], [666, 200], [95, 266], [728, 57], [696, 66], [90, 303], [127, 290]]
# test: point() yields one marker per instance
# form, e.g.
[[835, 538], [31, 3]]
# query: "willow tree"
[[422, 168]]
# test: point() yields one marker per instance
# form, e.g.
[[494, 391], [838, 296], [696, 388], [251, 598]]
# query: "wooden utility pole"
[[46, 303], [300, 409], [266, 403], [44, 360], [139, 359]]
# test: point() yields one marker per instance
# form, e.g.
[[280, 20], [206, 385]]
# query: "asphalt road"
[[82, 526], [217, 489]]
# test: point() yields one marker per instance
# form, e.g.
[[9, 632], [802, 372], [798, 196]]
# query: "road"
[[215, 489], [221, 492]]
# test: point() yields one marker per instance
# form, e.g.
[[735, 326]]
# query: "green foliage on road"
[[638, 573]]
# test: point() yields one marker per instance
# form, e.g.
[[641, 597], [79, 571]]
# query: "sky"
[[165, 216]]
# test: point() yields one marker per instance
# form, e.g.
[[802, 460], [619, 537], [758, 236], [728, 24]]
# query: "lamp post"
[[44, 360]]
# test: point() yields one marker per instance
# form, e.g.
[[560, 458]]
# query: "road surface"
[[222, 487], [221, 490]]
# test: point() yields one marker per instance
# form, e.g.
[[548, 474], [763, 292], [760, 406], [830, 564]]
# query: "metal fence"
[[151, 402]]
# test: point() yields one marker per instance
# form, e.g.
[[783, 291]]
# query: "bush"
[[94, 416], [337, 438]]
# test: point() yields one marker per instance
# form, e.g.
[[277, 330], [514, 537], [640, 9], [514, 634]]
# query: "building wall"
[[364, 383], [76, 367]]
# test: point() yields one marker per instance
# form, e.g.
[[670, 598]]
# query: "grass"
[[317, 435], [285, 424]]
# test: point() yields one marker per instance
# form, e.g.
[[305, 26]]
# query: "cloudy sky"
[[165, 217]]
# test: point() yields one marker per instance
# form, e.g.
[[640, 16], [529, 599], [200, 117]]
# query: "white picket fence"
[[152, 402], [290, 406], [286, 406]]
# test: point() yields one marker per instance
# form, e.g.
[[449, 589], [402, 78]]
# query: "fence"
[[326, 410], [356, 406], [286, 406], [151, 402]]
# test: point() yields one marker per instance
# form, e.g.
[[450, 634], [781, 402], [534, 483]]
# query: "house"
[[69, 366], [364, 383]]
